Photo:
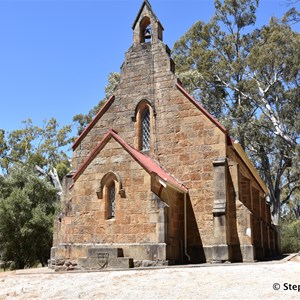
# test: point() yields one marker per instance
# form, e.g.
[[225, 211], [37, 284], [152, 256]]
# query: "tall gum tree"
[[33, 161], [249, 79], [27, 208], [42, 147]]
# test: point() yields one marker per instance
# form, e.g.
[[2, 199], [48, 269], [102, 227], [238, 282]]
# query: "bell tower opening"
[[145, 30], [146, 27]]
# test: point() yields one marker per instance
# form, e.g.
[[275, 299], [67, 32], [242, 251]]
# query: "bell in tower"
[[146, 26], [147, 33]]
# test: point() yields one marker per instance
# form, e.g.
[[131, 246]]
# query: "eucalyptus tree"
[[249, 79], [27, 208], [292, 16], [33, 160], [44, 147]]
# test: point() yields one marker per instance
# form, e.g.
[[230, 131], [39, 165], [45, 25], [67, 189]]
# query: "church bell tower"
[[146, 27]]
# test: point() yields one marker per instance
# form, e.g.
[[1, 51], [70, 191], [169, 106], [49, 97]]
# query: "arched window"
[[111, 195], [110, 189], [144, 120], [145, 130]]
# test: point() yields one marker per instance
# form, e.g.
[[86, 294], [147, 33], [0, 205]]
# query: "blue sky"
[[55, 55]]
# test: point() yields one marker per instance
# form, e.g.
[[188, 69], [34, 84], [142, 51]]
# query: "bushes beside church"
[[290, 236]]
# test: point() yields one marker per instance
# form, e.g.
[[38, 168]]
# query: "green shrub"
[[290, 237]]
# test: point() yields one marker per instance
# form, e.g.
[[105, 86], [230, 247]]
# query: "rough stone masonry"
[[157, 180]]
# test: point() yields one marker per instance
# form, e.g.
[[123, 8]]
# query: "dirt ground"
[[267, 280]]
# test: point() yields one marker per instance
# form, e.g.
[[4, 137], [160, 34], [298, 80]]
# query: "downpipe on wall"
[[185, 228]]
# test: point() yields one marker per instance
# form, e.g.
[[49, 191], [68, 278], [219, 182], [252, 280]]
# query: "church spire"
[[146, 27]]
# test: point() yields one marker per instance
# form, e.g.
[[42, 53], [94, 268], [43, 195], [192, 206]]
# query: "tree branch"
[[265, 108], [287, 198]]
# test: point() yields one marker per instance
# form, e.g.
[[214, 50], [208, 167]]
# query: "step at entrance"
[[103, 257]]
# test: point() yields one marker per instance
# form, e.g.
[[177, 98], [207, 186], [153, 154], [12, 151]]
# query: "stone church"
[[157, 180]]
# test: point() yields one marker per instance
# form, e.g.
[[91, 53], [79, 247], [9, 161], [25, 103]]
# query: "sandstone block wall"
[[185, 142], [255, 232], [134, 221]]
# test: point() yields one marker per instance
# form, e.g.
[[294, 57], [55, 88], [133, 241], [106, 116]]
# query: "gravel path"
[[230, 281]]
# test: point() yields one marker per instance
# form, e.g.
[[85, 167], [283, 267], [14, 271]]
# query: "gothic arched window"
[[144, 122], [145, 129], [110, 189], [111, 201]]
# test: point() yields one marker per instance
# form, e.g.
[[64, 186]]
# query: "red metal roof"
[[94, 121], [202, 109], [145, 161]]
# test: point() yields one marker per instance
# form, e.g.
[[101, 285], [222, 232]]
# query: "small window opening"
[[111, 201], [146, 129]]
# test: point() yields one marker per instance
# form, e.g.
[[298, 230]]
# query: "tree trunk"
[[275, 211]]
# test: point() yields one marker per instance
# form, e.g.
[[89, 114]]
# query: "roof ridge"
[[94, 121], [153, 160]]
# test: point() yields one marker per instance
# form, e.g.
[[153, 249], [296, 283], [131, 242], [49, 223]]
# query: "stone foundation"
[[248, 252], [70, 257]]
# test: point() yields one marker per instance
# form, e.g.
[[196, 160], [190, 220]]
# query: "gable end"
[[140, 11], [202, 109], [146, 162], [94, 121]]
